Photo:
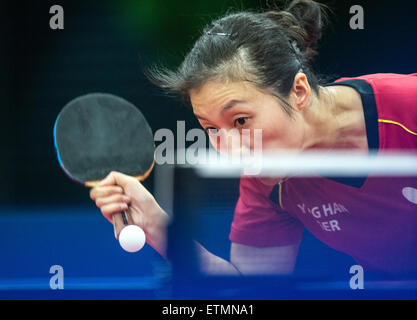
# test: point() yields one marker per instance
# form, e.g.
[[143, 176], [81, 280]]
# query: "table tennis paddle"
[[97, 133]]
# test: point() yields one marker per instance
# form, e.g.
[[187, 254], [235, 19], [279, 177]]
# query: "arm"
[[250, 260], [147, 214]]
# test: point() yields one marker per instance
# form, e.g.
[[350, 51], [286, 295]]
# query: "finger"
[[105, 191], [108, 180], [112, 208], [114, 198], [117, 178], [126, 182]]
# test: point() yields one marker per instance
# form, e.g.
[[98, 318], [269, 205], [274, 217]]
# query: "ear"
[[300, 92]]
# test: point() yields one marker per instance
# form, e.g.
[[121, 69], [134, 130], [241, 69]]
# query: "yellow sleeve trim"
[[398, 124], [280, 195]]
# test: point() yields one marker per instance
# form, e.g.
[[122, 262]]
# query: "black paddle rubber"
[[98, 133]]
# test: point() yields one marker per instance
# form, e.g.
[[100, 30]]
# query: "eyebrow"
[[224, 108], [231, 104]]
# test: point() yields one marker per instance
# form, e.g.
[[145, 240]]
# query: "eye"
[[241, 121]]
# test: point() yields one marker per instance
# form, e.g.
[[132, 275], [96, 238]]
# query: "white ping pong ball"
[[132, 238]]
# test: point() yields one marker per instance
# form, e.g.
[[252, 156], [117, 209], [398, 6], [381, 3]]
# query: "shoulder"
[[385, 79], [395, 100], [389, 84], [391, 90]]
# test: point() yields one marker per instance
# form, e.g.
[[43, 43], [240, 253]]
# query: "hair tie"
[[294, 47], [296, 51], [224, 34]]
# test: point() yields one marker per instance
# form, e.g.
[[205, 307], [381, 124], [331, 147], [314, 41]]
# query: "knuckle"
[[99, 202], [118, 189], [113, 174], [106, 192]]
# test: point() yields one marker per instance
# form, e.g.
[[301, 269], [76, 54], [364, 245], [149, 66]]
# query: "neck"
[[337, 120]]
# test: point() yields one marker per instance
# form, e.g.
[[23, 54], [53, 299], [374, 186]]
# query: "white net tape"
[[344, 163]]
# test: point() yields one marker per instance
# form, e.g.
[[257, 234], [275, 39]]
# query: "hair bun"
[[302, 21], [309, 15]]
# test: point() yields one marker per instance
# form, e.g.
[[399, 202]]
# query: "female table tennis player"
[[252, 70]]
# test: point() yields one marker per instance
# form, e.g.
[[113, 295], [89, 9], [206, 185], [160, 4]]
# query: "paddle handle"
[[120, 220]]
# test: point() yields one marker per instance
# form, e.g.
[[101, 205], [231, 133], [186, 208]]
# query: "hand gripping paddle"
[[98, 133]]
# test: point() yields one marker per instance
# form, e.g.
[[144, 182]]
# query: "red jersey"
[[373, 219]]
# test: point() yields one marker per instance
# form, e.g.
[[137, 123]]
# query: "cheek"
[[214, 141], [282, 132]]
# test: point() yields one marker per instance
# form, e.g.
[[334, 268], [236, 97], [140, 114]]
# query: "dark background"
[[47, 219], [105, 45]]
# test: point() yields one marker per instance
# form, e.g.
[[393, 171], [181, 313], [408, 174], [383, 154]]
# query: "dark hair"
[[267, 48]]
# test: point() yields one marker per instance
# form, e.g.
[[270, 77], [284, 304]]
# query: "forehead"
[[214, 94]]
